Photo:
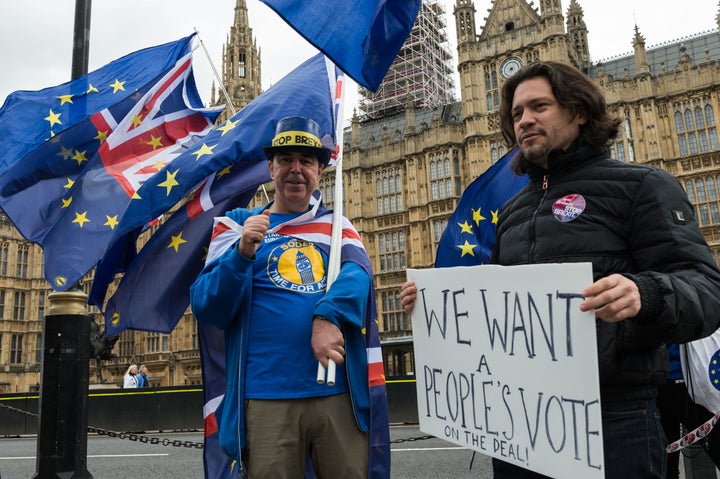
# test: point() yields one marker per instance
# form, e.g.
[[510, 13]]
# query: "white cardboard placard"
[[506, 364]]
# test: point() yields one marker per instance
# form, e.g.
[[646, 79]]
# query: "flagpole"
[[65, 367], [334, 260], [81, 39]]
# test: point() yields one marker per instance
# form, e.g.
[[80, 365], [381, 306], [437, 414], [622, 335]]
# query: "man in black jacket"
[[656, 280]]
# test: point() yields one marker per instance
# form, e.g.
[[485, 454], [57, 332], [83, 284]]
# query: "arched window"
[[690, 191], [679, 126], [709, 115], [711, 192]]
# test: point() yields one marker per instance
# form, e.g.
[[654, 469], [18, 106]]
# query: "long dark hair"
[[575, 92]]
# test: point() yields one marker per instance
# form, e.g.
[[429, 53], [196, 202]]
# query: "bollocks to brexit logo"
[[297, 266]]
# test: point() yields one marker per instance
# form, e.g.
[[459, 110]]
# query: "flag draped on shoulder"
[[361, 37], [230, 164], [469, 236], [71, 193]]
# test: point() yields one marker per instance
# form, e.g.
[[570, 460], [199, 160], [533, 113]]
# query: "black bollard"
[[62, 432]]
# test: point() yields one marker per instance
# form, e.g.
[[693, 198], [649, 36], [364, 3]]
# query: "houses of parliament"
[[410, 151]]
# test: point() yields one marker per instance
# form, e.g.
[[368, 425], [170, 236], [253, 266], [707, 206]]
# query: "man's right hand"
[[254, 231], [408, 294]]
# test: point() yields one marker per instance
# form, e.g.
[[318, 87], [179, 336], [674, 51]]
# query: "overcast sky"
[[36, 35]]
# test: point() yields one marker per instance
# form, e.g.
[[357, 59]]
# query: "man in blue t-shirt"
[[266, 287]]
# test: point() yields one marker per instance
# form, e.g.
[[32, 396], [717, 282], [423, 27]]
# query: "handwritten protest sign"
[[506, 364]]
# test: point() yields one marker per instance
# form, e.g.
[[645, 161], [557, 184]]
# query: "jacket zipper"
[[544, 189]]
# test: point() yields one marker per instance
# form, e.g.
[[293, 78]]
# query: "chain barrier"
[[167, 442], [412, 439], [123, 435]]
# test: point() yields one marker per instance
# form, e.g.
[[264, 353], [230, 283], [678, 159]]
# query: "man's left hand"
[[327, 342], [613, 298]]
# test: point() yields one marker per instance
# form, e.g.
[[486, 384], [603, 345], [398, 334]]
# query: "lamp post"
[[62, 430]]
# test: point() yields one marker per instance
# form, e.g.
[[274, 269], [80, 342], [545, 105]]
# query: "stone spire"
[[578, 33], [241, 62], [641, 63]]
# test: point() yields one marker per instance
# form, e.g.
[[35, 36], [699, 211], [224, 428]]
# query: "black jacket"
[[636, 221]]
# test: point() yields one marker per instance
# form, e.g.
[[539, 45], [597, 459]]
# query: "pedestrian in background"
[[130, 380], [143, 381]]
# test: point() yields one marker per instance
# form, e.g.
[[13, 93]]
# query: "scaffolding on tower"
[[421, 74]]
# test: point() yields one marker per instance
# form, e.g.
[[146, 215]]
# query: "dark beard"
[[537, 156]]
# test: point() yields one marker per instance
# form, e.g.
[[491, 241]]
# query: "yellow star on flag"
[[137, 121], [176, 241], [66, 202], [169, 182], [494, 216], [65, 99], [227, 126], [53, 118], [79, 156], [91, 89], [467, 248], [224, 171], [477, 217], [203, 150], [115, 318], [69, 184], [81, 218], [155, 142], [118, 85], [159, 165], [66, 153], [465, 227], [101, 136], [112, 221]]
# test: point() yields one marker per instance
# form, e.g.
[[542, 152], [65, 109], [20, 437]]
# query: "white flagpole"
[[336, 237]]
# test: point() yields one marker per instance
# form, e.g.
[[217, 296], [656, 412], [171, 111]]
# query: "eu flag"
[[361, 37], [71, 193], [154, 292], [469, 236], [306, 91], [30, 118]]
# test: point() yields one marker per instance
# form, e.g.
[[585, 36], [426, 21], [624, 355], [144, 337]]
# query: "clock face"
[[510, 66]]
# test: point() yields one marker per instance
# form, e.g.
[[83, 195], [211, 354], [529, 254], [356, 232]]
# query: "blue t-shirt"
[[289, 277]]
